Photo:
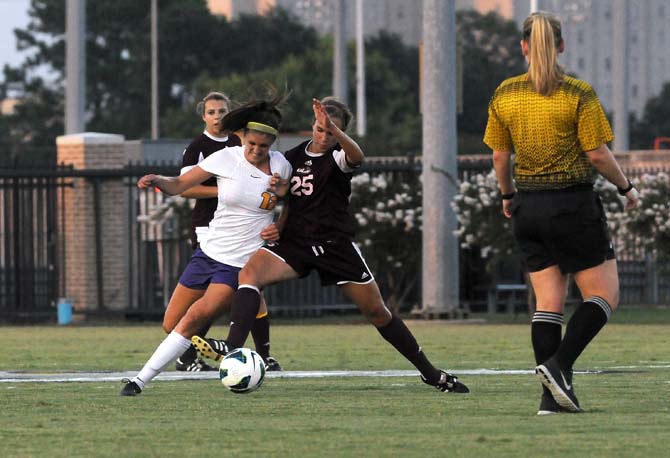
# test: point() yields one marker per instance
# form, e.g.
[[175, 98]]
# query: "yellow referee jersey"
[[549, 134]]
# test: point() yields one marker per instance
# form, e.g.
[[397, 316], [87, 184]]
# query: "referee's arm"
[[604, 162], [502, 163]]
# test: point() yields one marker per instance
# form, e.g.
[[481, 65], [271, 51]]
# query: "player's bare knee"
[[377, 314], [248, 276], [168, 326]]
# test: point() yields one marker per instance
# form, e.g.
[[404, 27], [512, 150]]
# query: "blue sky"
[[13, 14]]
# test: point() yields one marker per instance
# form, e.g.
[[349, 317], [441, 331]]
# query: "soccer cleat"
[[210, 348], [197, 365], [559, 383], [130, 388], [272, 365], [448, 383]]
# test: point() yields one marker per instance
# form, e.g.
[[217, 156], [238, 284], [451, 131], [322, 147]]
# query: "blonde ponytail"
[[542, 31]]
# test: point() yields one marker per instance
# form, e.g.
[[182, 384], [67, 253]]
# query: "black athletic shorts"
[[567, 228], [337, 261]]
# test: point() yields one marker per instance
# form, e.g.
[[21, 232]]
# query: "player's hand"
[[148, 181], [506, 208], [632, 199], [270, 233], [278, 185], [321, 115]]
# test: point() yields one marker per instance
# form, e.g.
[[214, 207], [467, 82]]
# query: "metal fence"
[[32, 267]]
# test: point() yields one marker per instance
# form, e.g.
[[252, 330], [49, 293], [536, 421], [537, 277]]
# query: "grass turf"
[[627, 410]]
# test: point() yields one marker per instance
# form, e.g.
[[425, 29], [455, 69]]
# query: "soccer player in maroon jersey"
[[317, 234]]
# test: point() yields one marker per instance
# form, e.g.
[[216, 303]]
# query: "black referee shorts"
[[567, 228], [337, 261]]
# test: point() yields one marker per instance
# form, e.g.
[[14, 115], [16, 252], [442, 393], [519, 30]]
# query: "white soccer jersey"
[[245, 204]]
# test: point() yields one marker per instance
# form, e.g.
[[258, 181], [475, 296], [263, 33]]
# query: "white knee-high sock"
[[169, 350]]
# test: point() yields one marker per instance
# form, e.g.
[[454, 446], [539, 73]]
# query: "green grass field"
[[627, 409]]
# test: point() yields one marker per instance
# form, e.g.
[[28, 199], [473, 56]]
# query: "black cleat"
[[130, 388], [197, 365], [559, 382], [210, 348], [448, 383], [272, 365], [549, 406]]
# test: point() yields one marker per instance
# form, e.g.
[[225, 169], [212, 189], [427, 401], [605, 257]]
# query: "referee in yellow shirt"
[[556, 127]]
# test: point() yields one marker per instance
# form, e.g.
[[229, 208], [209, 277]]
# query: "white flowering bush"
[[481, 223], [645, 230], [642, 231], [165, 217], [388, 215]]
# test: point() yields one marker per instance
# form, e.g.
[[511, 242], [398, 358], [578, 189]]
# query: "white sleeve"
[[341, 161], [215, 162], [288, 171]]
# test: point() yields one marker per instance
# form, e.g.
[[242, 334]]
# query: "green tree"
[[191, 41], [491, 53], [655, 121], [392, 95]]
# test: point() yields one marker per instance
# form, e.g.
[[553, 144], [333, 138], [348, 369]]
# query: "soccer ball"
[[242, 370]]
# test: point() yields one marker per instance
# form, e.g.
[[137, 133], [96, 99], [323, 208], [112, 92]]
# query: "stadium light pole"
[[154, 70], [340, 51], [361, 123], [534, 6], [75, 66], [620, 73], [440, 246]]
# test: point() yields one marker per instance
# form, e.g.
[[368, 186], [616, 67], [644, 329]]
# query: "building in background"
[[8, 105], [587, 30], [588, 34]]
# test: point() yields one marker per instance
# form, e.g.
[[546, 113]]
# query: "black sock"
[[191, 354], [397, 334], [260, 331], [245, 307], [545, 334], [583, 326]]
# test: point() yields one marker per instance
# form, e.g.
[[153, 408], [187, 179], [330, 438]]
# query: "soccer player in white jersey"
[[212, 108], [247, 177]]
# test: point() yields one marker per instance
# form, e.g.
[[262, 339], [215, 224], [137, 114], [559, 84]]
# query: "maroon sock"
[[260, 331], [245, 307], [398, 335]]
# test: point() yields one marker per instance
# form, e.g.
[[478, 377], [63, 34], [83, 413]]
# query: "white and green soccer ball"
[[242, 370]]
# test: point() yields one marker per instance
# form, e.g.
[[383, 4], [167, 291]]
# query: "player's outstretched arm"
[[174, 185]]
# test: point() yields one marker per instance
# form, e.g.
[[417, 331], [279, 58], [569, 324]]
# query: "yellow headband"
[[262, 128]]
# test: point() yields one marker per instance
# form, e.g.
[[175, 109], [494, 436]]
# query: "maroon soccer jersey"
[[201, 147], [318, 201]]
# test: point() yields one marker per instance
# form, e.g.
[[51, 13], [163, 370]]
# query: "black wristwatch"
[[626, 190], [508, 196]]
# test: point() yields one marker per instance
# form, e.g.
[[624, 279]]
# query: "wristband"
[[626, 190], [508, 196]]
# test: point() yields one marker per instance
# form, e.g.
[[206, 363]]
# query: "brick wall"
[[95, 151]]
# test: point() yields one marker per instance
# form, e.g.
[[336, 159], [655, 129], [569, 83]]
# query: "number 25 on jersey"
[[302, 186]]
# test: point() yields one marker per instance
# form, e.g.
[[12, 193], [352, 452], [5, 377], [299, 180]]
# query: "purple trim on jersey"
[[202, 270]]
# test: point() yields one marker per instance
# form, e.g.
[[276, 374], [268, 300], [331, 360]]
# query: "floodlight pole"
[[340, 51], [440, 250], [620, 73], [75, 66], [154, 70], [361, 123]]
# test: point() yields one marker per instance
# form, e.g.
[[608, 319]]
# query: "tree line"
[[199, 52]]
